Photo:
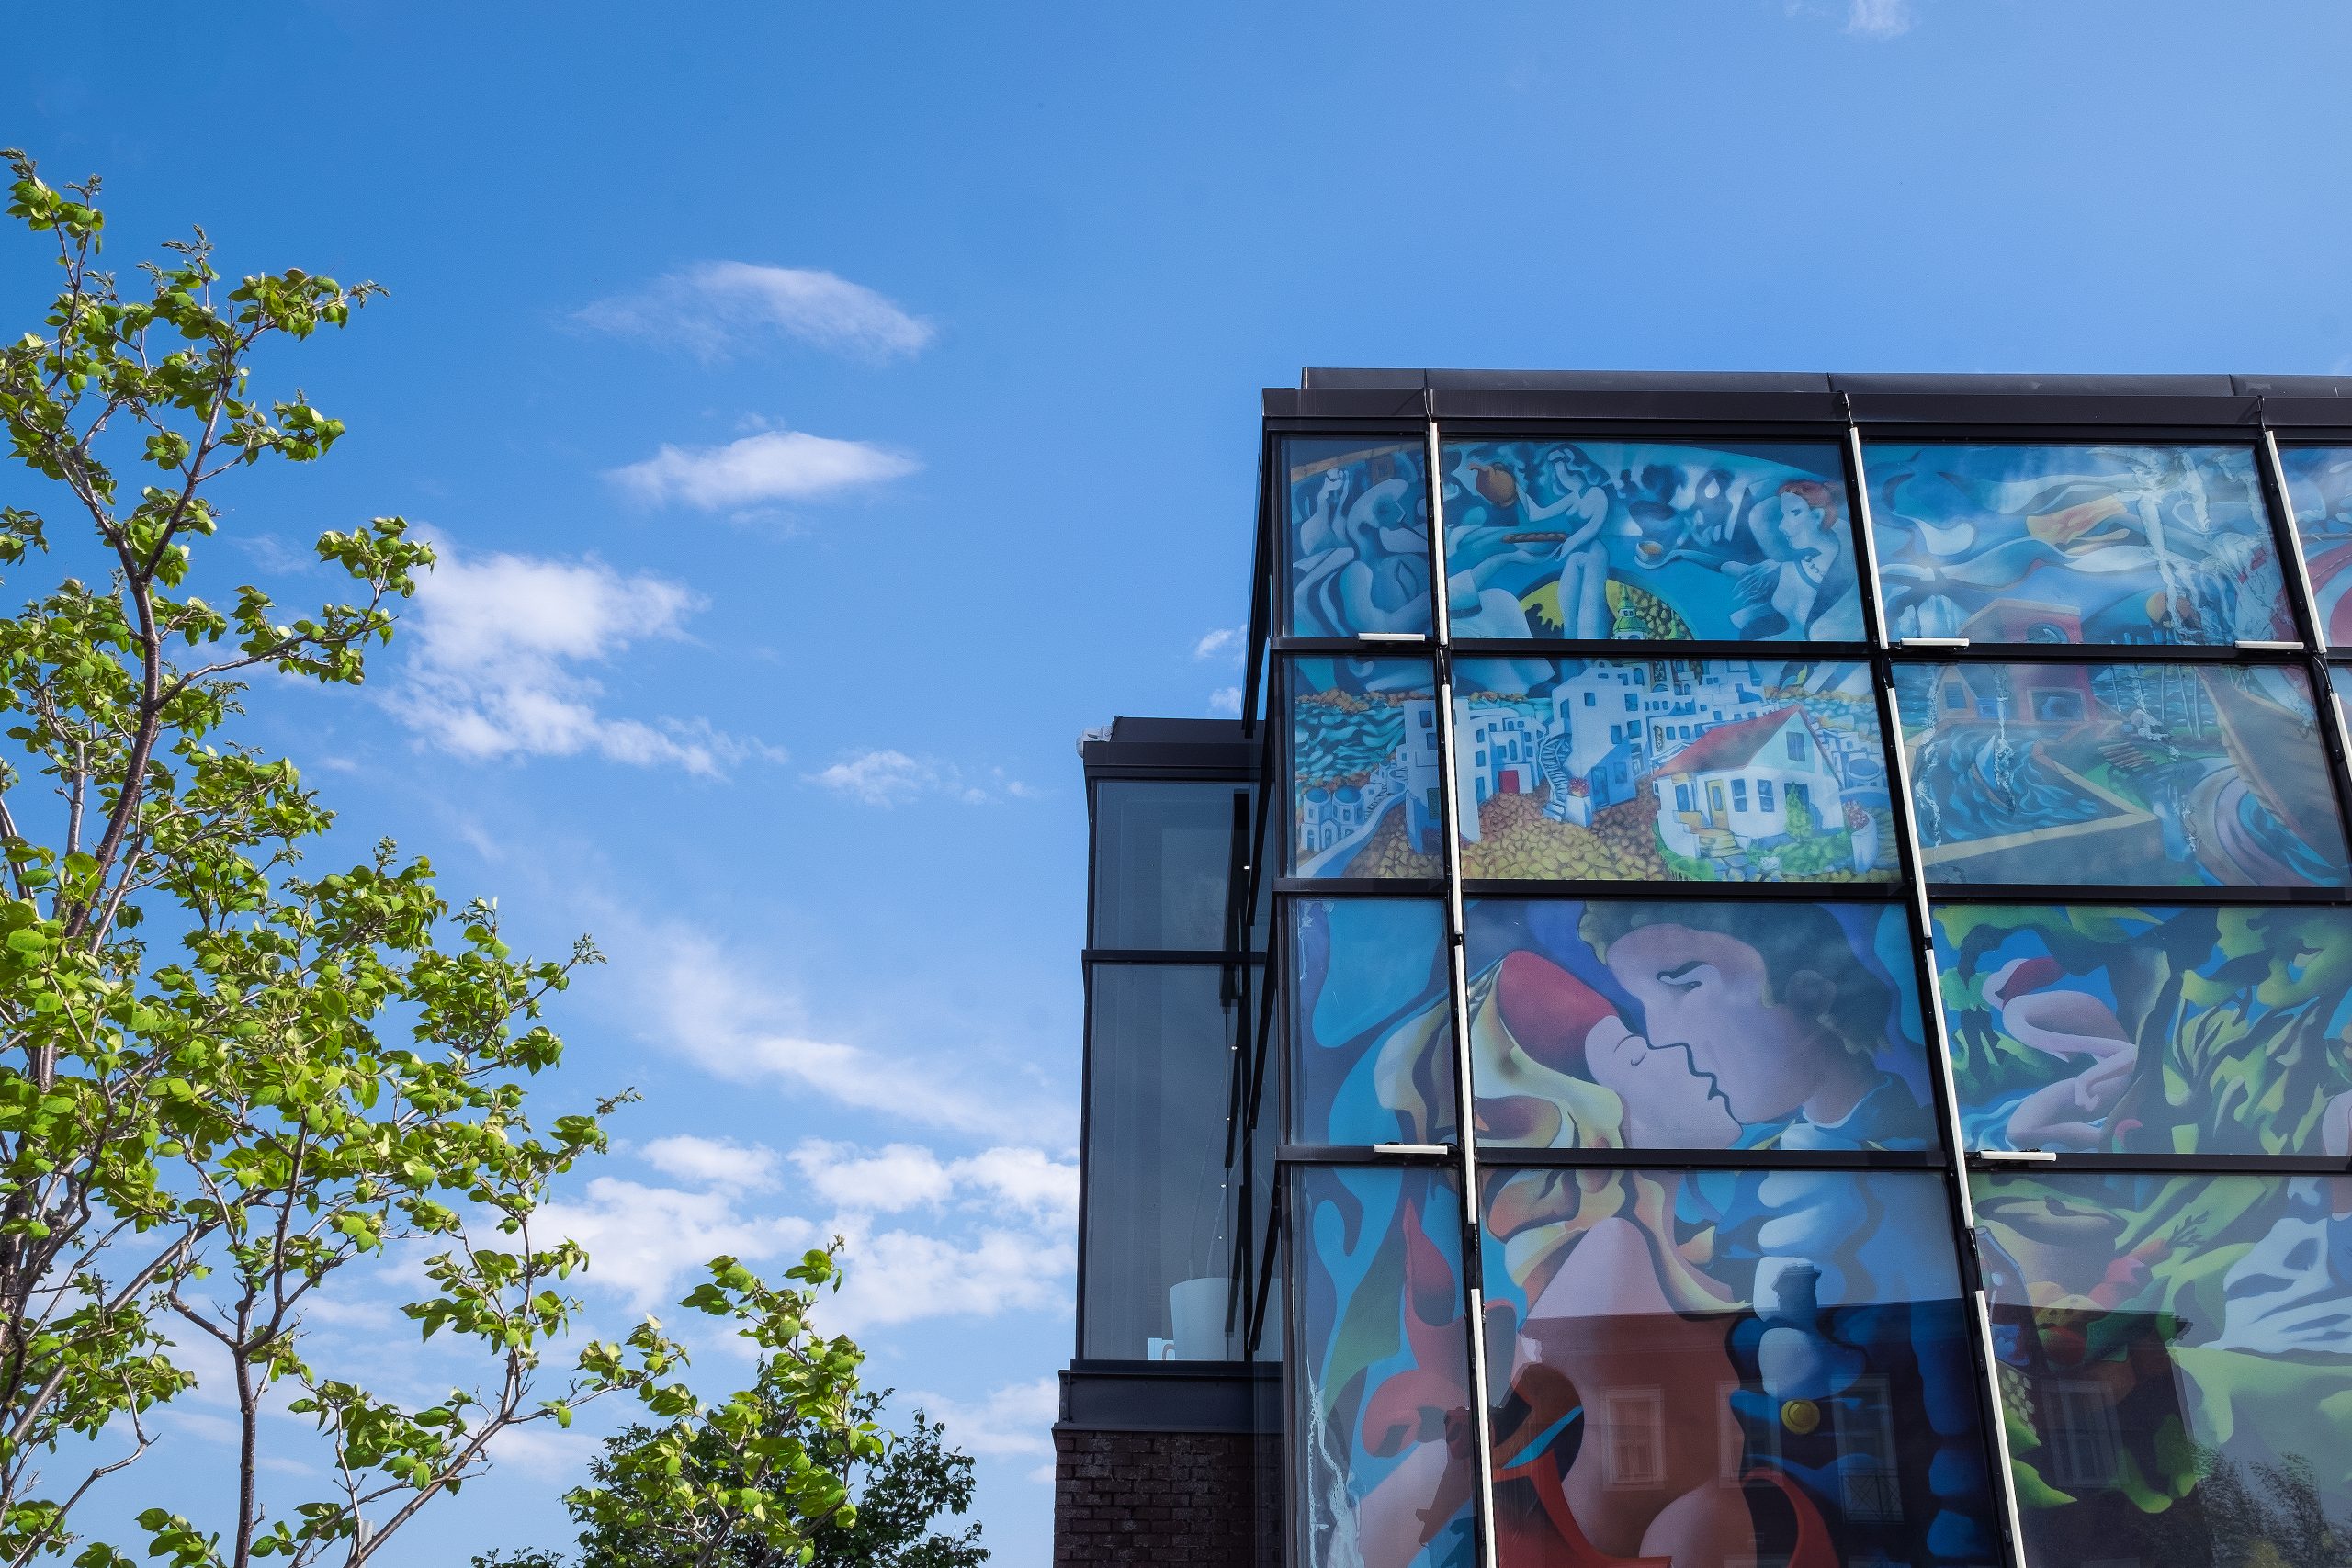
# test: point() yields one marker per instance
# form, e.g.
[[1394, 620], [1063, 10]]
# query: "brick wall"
[[1180, 1499]]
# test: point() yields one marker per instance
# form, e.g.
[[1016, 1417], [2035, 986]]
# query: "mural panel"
[[2319, 490], [2175, 1361], [1384, 1464], [1372, 1027], [1696, 1025], [1359, 535], [1725, 1367], [2119, 774], [1366, 785], [2075, 544], [1738, 770], [1621, 540], [2155, 1030]]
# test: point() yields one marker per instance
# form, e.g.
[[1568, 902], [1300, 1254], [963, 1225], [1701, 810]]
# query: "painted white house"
[[1747, 778]]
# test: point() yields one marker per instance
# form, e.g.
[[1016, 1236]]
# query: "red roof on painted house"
[[1730, 745]]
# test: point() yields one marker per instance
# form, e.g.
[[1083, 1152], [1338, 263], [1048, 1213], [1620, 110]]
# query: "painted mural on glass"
[[2176, 1358], [1732, 769], [2319, 492], [1359, 535], [1371, 1029], [2119, 774], [1693, 1025], [1366, 791], [2075, 544], [2156, 1030], [1620, 540], [1723, 1367], [1383, 1465]]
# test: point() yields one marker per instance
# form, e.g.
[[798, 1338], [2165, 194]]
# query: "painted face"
[[1800, 523], [1702, 993], [1667, 1106]]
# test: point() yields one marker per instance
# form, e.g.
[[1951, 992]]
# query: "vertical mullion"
[[2291, 541], [1450, 828], [1946, 1088]]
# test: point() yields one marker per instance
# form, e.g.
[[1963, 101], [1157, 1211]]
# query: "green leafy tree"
[[899, 1491], [225, 1082]]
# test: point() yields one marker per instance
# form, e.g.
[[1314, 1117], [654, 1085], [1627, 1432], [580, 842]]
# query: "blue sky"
[[829, 411]]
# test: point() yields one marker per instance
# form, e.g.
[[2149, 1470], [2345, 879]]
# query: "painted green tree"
[[229, 1083]]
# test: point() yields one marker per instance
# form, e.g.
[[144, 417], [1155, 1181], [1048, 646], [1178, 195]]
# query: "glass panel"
[[1706, 770], [1161, 1206], [2075, 544], [1359, 535], [1719, 1369], [1163, 852], [2177, 1365], [1385, 1467], [1371, 1053], [2319, 490], [2160, 775], [2151, 1030], [1364, 774], [1696, 1025], [1590, 539]]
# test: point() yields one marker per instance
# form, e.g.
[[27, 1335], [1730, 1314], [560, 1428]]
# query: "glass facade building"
[[1804, 1008]]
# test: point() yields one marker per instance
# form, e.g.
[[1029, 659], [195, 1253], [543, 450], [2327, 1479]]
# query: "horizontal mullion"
[[1368, 1154], [1992, 1163], [1493, 1160], [2129, 893], [2108, 653], [1192, 957], [1360, 886], [1808, 892], [1650, 649]]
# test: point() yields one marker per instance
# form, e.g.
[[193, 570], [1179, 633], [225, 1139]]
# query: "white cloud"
[[898, 1276], [1015, 1419], [895, 1177], [644, 1241], [497, 641], [1226, 700], [704, 1001], [1027, 1178], [714, 309], [1878, 19], [716, 1162], [1224, 642], [772, 465], [880, 776]]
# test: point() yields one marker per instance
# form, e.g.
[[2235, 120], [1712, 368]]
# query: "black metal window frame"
[[1270, 643]]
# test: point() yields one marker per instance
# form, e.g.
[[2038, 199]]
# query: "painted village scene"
[[1724, 769], [2130, 774]]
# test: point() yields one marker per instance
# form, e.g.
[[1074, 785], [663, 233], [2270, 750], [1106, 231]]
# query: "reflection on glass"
[[1163, 853], [2319, 492], [1386, 1463], [1161, 1207], [1717, 1369], [2177, 1362], [1359, 536], [1696, 770], [1371, 1053], [1366, 779], [2075, 544], [2155, 1030], [2118, 774], [1616, 539], [1696, 1025]]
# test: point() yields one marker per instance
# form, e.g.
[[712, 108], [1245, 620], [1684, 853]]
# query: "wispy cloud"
[[1016, 1419], [1226, 700], [709, 1005], [998, 1236], [1878, 19], [498, 645], [1224, 642], [883, 777], [770, 465], [717, 309]]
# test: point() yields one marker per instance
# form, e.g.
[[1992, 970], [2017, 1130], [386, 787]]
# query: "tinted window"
[[1162, 857]]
